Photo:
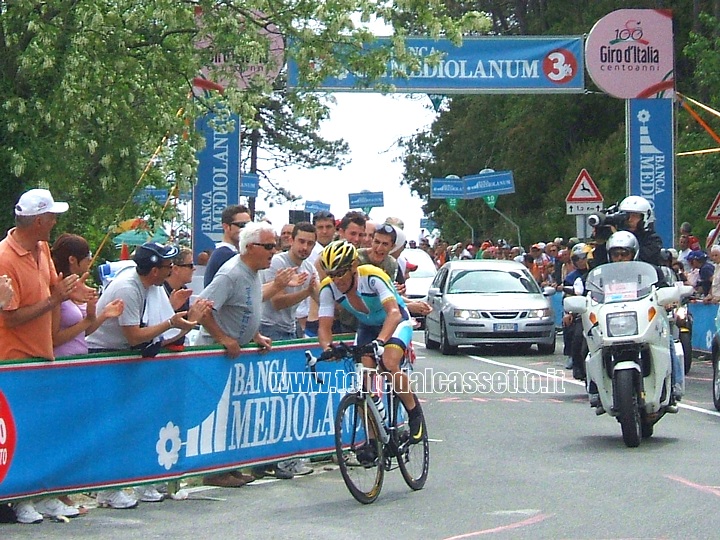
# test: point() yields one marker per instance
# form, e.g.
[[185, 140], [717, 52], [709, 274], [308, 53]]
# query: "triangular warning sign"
[[584, 190], [714, 212]]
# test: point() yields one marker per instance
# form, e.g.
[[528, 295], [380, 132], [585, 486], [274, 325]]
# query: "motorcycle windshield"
[[621, 281]]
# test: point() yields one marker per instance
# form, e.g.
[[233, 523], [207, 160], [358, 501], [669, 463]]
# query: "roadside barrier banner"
[[118, 420]]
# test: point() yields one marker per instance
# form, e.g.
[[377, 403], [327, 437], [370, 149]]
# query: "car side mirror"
[[548, 291], [434, 291]]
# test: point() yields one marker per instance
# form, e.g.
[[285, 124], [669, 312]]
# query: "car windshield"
[[466, 281], [621, 281]]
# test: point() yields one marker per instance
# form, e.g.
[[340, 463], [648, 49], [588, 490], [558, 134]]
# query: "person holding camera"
[[633, 214]]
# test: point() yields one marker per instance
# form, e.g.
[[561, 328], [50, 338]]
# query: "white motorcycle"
[[627, 331]]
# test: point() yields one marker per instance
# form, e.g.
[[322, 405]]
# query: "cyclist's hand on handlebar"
[[378, 347], [327, 354]]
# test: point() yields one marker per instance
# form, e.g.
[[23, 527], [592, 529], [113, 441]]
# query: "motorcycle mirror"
[[668, 295], [575, 304]]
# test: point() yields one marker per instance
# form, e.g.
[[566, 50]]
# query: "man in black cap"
[[130, 330]]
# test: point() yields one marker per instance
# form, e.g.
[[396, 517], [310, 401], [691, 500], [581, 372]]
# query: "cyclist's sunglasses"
[[340, 272]]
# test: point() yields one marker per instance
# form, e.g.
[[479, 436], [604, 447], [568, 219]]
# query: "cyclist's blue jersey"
[[374, 289]]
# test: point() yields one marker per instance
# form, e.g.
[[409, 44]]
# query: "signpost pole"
[[517, 227], [472, 231]]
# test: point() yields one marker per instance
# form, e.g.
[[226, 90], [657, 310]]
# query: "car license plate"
[[505, 327]]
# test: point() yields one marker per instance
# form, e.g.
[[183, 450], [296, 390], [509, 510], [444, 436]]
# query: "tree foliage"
[[90, 88]]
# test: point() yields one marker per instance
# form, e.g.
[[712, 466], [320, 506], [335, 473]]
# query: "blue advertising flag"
[[651, 160], [217, 182]]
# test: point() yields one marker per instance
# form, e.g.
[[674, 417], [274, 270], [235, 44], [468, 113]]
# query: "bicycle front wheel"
[[413, 459], [359, 449]]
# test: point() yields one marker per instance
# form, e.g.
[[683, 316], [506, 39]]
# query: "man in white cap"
[[26, 318], [26, 321]]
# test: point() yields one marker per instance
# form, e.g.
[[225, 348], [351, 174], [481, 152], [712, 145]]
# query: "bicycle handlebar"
[[337, 351]]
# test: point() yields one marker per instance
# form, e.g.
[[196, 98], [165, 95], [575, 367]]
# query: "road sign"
[[366, 199], [579, 209], [452, 203], [249, 184], [427, 223], [490, 200], [489, 183], [316, 206], [160, 195], [444, 188], [584, 190], [714, 212]]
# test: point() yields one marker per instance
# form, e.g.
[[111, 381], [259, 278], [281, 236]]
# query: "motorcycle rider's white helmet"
[[624, 240], [580, 251], [638, 205]]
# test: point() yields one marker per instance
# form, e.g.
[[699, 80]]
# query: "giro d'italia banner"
[[98, 421]]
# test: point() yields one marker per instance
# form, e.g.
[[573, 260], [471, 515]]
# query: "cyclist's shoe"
[[416, 426], [367, 455]]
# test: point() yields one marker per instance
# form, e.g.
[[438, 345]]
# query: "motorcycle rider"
[[574, 284], [624, 246]]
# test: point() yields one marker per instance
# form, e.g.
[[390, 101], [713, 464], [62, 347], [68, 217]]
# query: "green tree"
[[91, 87]]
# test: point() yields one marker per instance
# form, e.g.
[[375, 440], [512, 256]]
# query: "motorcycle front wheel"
[[627, 405], [716, 383]]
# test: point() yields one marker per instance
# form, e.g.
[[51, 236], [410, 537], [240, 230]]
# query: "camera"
[[605, 219]]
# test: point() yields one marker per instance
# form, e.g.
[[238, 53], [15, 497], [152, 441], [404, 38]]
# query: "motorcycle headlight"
[[466, 314], [539, 313], [622, 324]]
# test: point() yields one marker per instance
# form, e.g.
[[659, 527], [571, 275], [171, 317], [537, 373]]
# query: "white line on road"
[[578, 383]]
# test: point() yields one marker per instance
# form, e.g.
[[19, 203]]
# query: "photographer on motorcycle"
[[624, 246], [574, 284], [635, 215]]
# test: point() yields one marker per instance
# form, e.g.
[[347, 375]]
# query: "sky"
[[371, 124]]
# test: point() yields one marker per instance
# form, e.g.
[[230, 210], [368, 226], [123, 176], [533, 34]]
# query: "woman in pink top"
[[73, 320]]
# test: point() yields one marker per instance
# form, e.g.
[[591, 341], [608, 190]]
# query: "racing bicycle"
[[369, 442]]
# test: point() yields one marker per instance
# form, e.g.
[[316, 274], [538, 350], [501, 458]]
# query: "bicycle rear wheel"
[[359, 449], [413, 459]]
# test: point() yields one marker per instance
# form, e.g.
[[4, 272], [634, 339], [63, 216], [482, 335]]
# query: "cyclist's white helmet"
[[638, 205], [624, 240]]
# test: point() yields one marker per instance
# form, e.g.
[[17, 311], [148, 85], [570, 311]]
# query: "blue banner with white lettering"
[[651, 160], [90, 422], [366, 199], [218, 182], [498, 64], [489, 183]]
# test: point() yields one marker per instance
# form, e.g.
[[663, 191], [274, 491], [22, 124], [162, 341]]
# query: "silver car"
[[489, 302]]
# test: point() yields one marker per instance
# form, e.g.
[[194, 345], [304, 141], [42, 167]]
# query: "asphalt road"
[[504, 463]]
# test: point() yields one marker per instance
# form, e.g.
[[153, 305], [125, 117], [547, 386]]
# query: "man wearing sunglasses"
[[237, 292], [233, 218]]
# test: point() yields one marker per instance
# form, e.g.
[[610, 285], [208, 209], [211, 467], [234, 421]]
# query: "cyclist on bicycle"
[[368, 294]]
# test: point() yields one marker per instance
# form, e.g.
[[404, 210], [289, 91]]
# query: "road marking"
[[524, 523], [579, 383], [705, 489]]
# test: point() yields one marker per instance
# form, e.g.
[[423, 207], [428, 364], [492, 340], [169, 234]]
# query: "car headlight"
[[622, 324], [466, 314], [539, 313]]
